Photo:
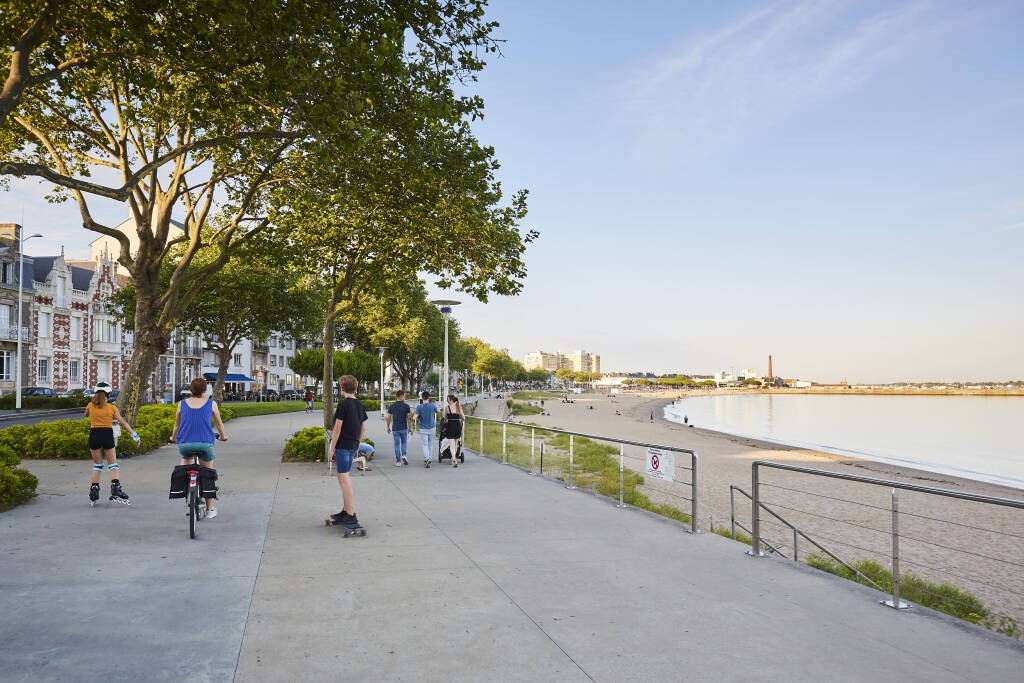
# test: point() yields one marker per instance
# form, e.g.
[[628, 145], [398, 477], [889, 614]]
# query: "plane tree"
[[178, 108]]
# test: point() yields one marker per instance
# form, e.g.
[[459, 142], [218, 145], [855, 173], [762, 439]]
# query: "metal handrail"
[[797, 531], [622, 442], [756, 504]]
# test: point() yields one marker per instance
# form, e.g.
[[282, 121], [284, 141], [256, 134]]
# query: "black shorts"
[[102, 437]]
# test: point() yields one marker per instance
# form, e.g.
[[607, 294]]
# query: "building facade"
[[577, 361]]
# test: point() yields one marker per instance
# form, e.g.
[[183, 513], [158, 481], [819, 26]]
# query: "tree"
[[203, 99], [308, 363]]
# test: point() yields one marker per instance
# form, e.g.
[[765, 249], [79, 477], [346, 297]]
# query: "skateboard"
[[348, 531]]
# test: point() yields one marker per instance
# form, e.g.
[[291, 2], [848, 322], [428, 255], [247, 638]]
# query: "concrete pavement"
[[480, 572]]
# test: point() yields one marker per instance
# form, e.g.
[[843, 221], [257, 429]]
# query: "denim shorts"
[[343, 459]]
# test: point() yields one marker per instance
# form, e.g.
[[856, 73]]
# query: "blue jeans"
[[427, 439], [401, 437]]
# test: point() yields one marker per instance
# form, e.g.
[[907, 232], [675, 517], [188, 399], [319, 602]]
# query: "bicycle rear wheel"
[[193, 510]]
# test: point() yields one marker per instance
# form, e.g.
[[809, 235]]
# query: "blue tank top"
[[195, 423]]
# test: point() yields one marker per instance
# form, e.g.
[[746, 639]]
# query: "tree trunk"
[[150, 342], [223, 360]]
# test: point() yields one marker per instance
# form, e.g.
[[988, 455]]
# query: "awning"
[[230, 378]]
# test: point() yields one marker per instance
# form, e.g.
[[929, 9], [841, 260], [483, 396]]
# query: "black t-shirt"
[[352, 415]]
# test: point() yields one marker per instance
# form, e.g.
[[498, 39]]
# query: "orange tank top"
[[101, 416]]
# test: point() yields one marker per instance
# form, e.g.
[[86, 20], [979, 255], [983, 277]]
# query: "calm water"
[[969, 436]]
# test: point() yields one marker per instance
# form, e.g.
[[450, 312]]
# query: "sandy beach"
[[973, 546]]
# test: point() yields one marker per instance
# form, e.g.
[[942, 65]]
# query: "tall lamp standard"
[[381, 350], [446, 311], [21, 277]]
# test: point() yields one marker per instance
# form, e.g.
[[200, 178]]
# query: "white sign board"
[[661, 464]]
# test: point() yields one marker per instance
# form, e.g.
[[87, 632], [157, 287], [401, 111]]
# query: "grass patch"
[[595, 464], [518, 408], [942, 597], [536, 395]]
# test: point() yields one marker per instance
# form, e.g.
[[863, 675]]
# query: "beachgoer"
[[652, 416], [398, 426], [308, 398], [349, 429], [102, 443], [453, 421], [193, 430], [686, 419], [426, 419]]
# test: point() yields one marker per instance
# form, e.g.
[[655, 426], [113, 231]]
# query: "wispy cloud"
[[713, 91]]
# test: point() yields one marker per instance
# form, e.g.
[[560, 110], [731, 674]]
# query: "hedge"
[[307, 445], [17, 485]]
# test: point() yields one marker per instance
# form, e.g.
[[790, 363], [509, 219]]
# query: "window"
[[44, 324], [5, 316], [44, 369], [62, 292], [103, 371], [282, 361], [6, 366], [236, 360], [112, 336], [7, 273], [76, 328], [73, 371], [273, 359], [271, 342]]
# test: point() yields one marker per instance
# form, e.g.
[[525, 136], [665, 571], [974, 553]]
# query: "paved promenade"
[[477, 573]]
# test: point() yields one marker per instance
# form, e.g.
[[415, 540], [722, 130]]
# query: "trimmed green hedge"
[[17, 485], [307, 445], [38, 402]]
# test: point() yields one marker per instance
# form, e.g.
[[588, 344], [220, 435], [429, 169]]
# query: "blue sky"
[[837, 183]]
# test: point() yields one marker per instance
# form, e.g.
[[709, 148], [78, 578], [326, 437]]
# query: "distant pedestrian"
[[103, 443], [686, 420], [453, 421], [652, 416], [308, 398], [398, 427], [349, 429], [426, 420]]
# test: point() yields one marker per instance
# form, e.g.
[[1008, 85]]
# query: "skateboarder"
[[349, 429]]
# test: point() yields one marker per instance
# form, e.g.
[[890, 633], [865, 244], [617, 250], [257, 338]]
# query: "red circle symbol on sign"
[[655, 462]]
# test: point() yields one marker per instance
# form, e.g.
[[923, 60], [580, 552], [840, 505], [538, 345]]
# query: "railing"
[[11, 332], [972, 540], [562, 459]]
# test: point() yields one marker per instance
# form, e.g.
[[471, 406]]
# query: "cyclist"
[[102, 413], [193, 431]]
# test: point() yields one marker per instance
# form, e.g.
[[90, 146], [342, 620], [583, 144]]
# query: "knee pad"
[[112, 467], [98, 466]]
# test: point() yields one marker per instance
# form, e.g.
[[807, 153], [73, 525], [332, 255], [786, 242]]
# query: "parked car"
[[43, 392], [291, 395], [263, 395]]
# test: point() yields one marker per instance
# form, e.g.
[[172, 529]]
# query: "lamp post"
[[446, 311], [21, 277], [381, 350]]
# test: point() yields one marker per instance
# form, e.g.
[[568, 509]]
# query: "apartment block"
[[577, 361]]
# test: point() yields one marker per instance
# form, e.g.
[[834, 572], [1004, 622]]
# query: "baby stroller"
[[452, 425]]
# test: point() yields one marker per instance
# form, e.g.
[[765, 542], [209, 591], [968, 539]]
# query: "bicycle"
[[195, 506]]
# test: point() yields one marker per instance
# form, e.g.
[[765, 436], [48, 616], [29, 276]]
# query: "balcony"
[[106, 348], [10, 333], [260, 347]]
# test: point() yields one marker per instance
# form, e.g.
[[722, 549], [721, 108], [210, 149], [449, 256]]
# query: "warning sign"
[[661, 464]]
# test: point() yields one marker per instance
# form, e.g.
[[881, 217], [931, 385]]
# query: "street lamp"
[[21, 277], [446, 311], [381, 350]]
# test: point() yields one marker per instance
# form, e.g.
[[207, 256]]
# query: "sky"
[[835, 183]]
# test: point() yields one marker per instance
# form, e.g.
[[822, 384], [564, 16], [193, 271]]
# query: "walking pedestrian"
[[453, 421], [426, 420], [103, 443], [193, 430], [349, 429], [308, 397], [398, 426]]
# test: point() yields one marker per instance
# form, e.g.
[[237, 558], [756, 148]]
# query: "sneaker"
[[351, 521], [405, 460], [341, 517], [426, 463], [398, 463], [211, 513], [455, 462]]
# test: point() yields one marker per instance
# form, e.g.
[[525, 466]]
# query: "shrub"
[[17, 485], [8, 457], [307, 445]]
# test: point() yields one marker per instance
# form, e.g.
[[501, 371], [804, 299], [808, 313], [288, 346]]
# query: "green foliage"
[[41, 403], [536, 395], [306, 445], [17, 485], [942, 597], [519, 408]]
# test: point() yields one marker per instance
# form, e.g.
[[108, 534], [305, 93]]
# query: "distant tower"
[[770, 375]]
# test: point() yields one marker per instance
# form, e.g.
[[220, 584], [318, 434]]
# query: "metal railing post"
[[571, 449], [693, 490], [895, 602], [796, 558], [755, 510], [504, 443], [533, 446], [481, 437], [542, 457], [621, 504], [732, 511]]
